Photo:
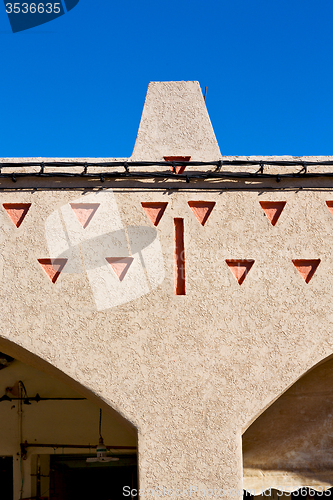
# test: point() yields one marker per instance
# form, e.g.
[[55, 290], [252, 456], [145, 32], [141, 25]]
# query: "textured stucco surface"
[[191, 372], [175, 122]]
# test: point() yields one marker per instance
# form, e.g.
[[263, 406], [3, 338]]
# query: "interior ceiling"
[[57, 418], [291, 444]]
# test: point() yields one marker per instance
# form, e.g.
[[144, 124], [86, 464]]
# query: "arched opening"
[[50, 446], [290, 445]]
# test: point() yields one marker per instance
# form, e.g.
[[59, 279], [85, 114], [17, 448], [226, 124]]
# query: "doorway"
[[47, 432], [72, 478], [6, 478]]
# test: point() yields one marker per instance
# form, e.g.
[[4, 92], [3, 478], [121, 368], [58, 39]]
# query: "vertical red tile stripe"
[[179, 257]]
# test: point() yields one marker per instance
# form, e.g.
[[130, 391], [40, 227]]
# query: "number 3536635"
[[33, 8]]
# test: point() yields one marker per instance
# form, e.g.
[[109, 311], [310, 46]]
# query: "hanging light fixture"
[[5, 360], [101, 450]]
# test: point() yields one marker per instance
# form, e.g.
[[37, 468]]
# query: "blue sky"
[[76, 86]]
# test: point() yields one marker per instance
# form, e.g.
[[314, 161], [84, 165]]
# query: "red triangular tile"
[[240, 268], [84, 212], [154, 210], [330, 206], [53, 267], [17, 211], [120, 265], [179, 169], [273, 210], [306, 268], [202, 210]]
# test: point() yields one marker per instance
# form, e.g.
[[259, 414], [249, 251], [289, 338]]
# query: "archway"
[[290, 445], [49, 433]]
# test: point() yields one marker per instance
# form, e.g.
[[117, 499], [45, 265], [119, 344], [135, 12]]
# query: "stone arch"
[[272, 401], [288, 445], [80, 423], [25, 356]]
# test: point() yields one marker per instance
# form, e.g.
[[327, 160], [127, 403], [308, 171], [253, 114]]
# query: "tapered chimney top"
[[175, 122]]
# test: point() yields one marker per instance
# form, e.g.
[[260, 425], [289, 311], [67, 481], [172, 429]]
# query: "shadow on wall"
[[89, 236]]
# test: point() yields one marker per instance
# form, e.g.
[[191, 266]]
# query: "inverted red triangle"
[[17, 211], [154, 210], [179, 169], [202, 210], [240, 268], [120, 265], [273, 210], [53, 267], [330, 206], [84, 212], [306, 268]]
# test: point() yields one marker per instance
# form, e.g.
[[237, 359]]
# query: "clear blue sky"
[[76, 86]]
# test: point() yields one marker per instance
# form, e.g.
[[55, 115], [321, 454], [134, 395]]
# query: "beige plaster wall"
[[189, 372]]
